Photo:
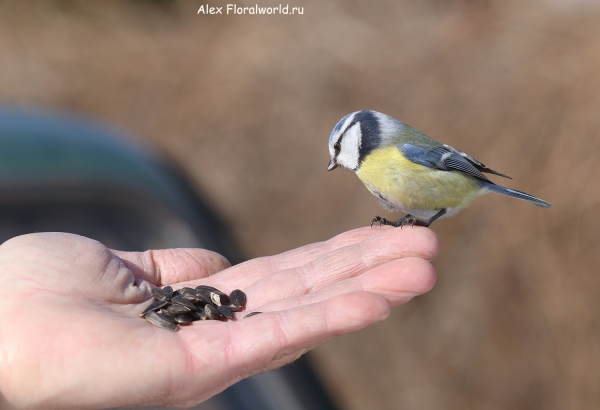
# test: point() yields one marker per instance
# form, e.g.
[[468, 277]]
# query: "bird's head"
[[356, 135]]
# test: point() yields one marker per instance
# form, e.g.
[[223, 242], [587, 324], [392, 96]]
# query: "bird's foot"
[[412, 221], [408, 220]]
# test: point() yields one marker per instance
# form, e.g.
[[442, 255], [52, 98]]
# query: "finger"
[[169, 266], [300, 256], [401, 280], [257, 268], [338, 265], [397, 281], [280, 337]]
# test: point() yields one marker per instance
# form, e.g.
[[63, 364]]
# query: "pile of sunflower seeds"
[[186, 305]]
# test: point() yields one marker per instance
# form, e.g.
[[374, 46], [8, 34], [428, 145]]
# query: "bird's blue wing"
[[446, 158]]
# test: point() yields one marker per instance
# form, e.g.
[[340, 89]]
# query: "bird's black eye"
[[337, 147]]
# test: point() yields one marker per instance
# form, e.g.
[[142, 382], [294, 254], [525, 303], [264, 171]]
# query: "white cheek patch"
[[340, 131], [349, 154]]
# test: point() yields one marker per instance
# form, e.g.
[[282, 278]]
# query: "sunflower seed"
[[203, 297], [162, 321], [238, 299], [198, 315], [181, 301], [211, 312], [186, 305], [206, 287], [189, 294], [251, 314], [163, 294], [155, 306], [183, 319], [186, 289], [219, 298], [175, 310], [226, 311]]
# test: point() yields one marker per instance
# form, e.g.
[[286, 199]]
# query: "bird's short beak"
[[332, 165]]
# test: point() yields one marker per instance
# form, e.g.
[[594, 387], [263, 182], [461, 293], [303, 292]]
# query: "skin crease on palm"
[[71, 336]]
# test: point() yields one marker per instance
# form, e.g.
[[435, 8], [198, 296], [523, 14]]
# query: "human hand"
[[71, 337]]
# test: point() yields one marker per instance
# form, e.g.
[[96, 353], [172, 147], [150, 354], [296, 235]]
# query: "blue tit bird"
[[410, 172]]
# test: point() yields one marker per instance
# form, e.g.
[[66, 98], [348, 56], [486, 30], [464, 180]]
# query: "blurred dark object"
[[64, 174], [59, 173]]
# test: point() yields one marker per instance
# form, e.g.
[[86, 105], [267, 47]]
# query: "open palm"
[[71, 337]]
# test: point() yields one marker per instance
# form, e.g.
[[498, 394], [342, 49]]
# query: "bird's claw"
[[407, 220], [378, 219]]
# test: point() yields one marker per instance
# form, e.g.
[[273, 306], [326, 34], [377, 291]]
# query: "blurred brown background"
[[245, 105]]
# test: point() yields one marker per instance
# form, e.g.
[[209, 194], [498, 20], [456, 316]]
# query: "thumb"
[[169, 266]]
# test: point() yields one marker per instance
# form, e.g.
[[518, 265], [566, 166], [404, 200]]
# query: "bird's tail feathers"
[[517, 194]]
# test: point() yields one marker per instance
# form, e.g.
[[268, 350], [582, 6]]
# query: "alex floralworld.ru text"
[[256, 9]]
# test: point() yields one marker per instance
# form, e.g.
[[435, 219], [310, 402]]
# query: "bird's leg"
[[408, 220], [429, 221]]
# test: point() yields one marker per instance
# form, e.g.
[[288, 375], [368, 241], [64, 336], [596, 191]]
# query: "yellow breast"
[[412, 186]]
